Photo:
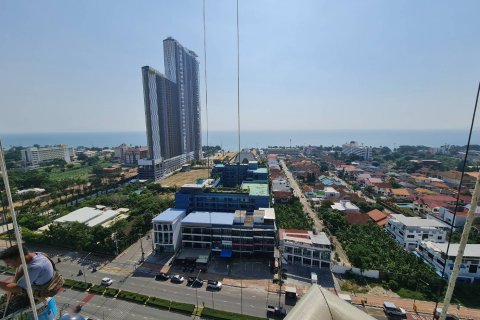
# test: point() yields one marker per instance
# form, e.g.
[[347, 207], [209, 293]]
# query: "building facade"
[[435, 254], [228, 234], [410, 231], [172, 112], [166, 230], [33, 156], [302, 247], [204, 197], [355, 148]]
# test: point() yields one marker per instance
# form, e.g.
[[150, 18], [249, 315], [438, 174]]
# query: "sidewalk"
[[422, 306]]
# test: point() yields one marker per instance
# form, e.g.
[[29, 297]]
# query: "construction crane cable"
[[18, 236], [466, 228]]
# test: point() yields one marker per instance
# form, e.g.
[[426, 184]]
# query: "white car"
[[106, 281], [178, 278], [392, 310], [212, 284]]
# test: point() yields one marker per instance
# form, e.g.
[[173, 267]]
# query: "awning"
[[226, 253]]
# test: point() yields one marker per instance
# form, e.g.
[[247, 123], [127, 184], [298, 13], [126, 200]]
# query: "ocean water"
[[229, 139]]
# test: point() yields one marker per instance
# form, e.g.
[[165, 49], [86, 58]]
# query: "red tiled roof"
[[377, 215], [282, 194]]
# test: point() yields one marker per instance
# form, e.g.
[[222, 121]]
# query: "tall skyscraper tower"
[[172, 112]]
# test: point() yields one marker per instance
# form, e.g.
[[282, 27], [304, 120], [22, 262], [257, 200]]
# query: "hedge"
[[79, 285], [182, 307], [158, 303], [69, 283], [97, 289], [133, 297], [111, 292], [225, 315]]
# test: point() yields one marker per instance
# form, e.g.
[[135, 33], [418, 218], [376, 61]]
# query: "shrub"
[[182, 307], [97, 289], [133, 297], [111, 292], [158, 303], [225, 315]]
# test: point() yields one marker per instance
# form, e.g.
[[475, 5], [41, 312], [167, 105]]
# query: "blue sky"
[[72, 66]]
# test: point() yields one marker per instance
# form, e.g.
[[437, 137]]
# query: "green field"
[[79, 171]]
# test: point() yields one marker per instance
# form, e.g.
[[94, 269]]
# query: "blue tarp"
[[226, 253]]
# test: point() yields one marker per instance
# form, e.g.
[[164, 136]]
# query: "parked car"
[[178, 278], [213, 284], [106, 282], [162, 276], [196, 282], [276, 312], [392, 310], [438, 312]]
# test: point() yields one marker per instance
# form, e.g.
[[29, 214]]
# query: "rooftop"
[[303, 236], [471, 250], [169, 215], [209, 218], [256, 189], [418, 222], [104, 217], [81, 215]]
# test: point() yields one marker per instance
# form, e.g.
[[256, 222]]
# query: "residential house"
[[302, 247], [436, 255], [345, 206], [409, 231], [378, 217]]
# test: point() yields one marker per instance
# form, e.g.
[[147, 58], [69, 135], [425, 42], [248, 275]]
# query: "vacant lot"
[[182, 178]]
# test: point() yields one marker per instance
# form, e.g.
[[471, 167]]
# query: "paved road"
[[316, 220], [254, 300]]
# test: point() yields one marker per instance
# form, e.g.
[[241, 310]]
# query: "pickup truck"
[[276, 312]]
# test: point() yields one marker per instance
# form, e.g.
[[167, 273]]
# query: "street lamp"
[[83, 266]]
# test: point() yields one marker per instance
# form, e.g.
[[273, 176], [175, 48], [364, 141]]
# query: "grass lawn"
[[181, 178], [78, 171]]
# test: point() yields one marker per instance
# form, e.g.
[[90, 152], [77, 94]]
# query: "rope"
[[466, 228], [239, 150], [18, 235], [206, 84]]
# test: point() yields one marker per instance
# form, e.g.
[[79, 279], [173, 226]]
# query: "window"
[[473, 268], [411, 236]]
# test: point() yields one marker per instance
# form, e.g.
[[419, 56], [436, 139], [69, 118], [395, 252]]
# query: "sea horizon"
[[228, 140]]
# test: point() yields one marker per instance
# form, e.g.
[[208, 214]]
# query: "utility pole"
[[141, 246]]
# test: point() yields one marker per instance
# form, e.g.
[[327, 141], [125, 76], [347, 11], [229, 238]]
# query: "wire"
[[3, 171], [206, 84], [440, 289]]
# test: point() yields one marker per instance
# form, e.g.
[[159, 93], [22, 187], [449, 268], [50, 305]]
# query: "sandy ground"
[[182, 178]]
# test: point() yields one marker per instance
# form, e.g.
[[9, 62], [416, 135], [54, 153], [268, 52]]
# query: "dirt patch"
[[380, 291], [181, 178]]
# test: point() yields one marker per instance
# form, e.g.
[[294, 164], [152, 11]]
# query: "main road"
[[229, 298], [317, 222]]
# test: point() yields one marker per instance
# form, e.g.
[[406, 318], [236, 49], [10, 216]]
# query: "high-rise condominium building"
[[172, 112]]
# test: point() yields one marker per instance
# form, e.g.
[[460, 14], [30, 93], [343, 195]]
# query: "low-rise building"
[[100, 215], [378, 217], [330, 193], [410, 231], [167, 231], [228, 233], [302, 247], [345, 206], [436, 255]]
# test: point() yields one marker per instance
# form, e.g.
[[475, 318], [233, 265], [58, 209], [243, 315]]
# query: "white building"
[[410, 231], [355, 148], [304, 248], [345, 207], [34, 156], [435, 255], [331, 193], [100, 215], [167, 230]]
